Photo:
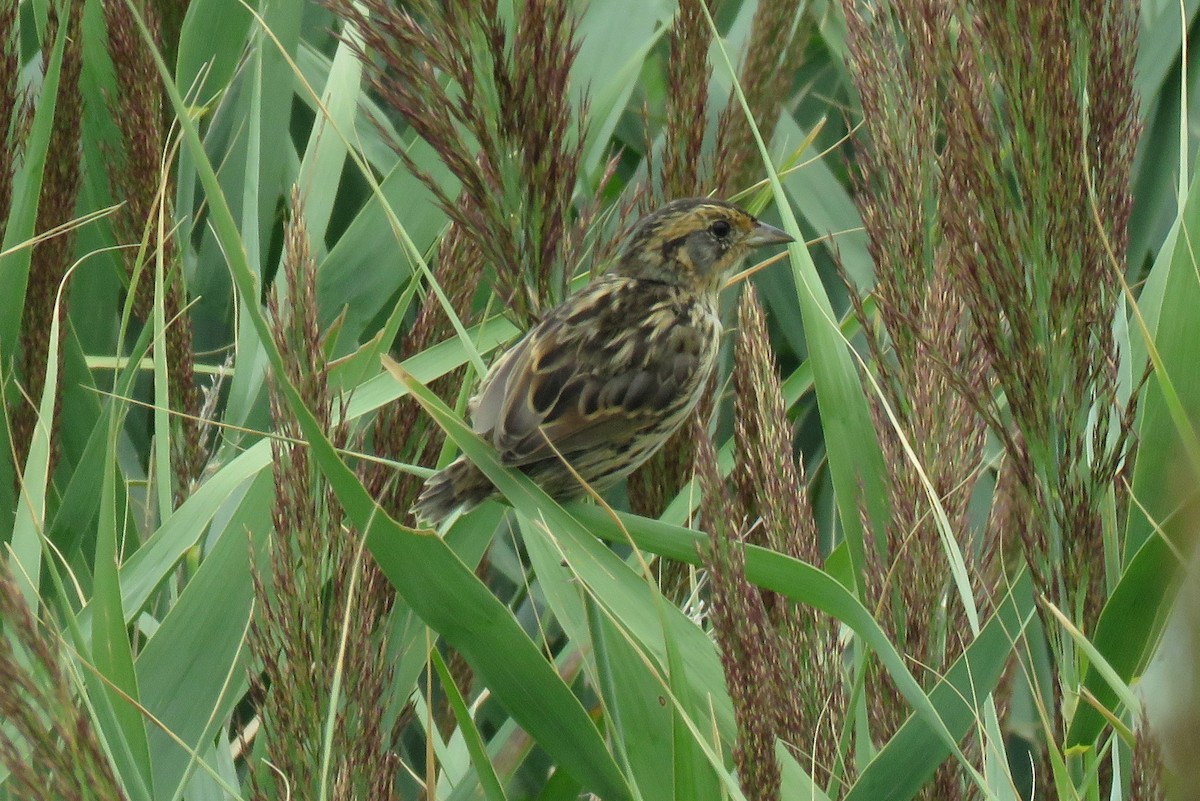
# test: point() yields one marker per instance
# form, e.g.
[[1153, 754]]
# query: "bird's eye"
[[720, 229]]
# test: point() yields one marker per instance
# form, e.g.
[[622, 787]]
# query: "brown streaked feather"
[[579, 386], [612, 371], [488, 403]]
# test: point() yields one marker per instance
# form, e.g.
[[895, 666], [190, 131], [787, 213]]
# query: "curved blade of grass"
[[510, 745], [492, 790], [600, 599], [913, 754], [29, 525], [658, 749], [452, 601], [110, 646], [1130, 622], [638, 686], [193, 671], [767, 569]]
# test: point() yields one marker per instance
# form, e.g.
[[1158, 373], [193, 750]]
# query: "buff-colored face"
[[694, 242]]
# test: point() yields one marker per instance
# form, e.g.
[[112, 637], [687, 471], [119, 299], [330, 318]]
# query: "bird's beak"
[[763, 234]]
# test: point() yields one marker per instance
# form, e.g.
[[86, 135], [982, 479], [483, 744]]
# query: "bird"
[[605, 378]]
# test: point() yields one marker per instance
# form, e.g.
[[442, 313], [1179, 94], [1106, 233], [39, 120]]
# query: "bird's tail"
[[459, 484]]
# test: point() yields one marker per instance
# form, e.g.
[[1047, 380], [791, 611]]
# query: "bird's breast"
[[681, 336]]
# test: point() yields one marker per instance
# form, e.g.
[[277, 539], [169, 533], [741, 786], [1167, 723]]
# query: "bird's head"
[[693, 242]]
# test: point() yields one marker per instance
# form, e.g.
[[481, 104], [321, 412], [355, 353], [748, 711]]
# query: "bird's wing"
[[488, 403], [579, 384]]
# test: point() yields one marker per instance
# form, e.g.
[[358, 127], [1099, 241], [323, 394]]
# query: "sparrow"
[[611, 372]]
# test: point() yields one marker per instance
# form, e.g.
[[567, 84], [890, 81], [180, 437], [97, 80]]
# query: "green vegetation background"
[[195, 609]]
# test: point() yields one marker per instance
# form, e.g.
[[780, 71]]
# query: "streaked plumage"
[[610, 373]]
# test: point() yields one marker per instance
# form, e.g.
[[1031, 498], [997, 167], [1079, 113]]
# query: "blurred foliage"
[[924, 544]]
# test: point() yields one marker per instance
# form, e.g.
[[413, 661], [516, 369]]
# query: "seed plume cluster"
[[140, 175], [317, 572], [782, 661], [504, 126], [994, 184], [48, 744]]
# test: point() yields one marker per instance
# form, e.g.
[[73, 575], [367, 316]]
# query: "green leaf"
[[905, 763], [452, 601], [1130, 623], [492, 790], [110, 646], [350, 280], [642, 719], [193, 670], [211, 43]]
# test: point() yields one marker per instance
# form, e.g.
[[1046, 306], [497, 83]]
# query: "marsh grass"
[[915, 549]]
